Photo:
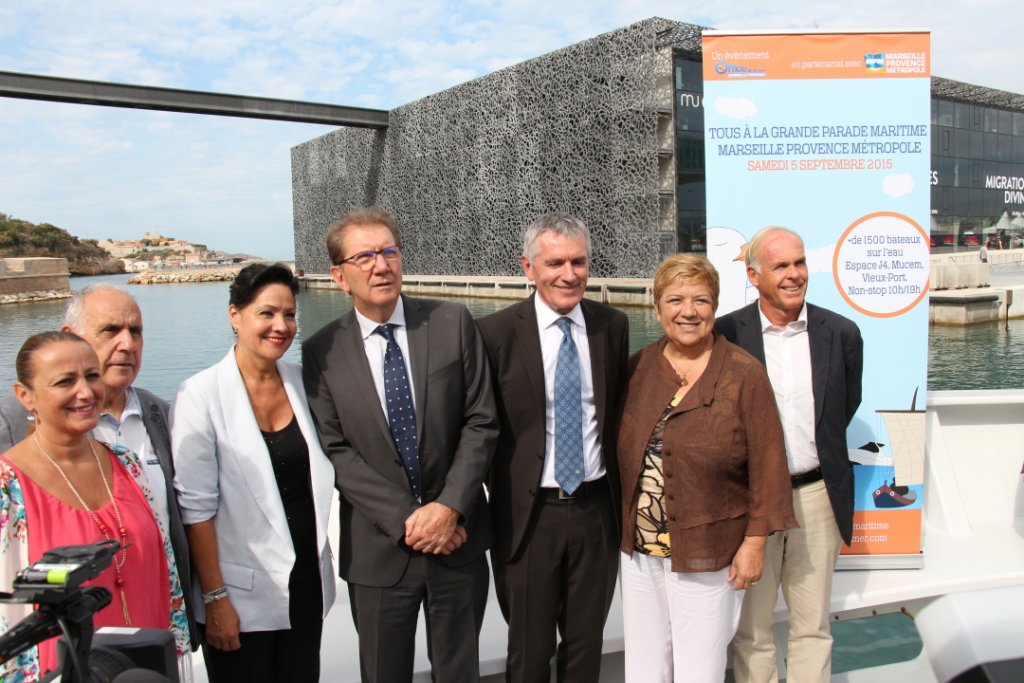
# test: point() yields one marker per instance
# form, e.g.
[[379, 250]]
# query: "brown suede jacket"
[[724, 454]]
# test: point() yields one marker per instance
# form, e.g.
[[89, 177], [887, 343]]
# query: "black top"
[[289, 455]]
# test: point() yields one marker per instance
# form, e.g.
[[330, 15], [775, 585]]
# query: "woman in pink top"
[[59, 486]]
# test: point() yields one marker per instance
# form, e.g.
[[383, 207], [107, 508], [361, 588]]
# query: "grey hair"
[[559, 223], [754, 246], [74, 312]]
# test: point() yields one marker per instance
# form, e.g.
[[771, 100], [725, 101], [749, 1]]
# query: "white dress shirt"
[[550, 340], [787, 355], [375, 345], [130, 432]]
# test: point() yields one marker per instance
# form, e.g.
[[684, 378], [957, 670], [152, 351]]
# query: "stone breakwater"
[[30, 297], [163, 277]]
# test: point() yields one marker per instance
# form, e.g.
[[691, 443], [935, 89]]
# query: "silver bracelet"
[[215, 595]]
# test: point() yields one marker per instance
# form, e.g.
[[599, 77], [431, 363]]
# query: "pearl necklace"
[[122, 531]]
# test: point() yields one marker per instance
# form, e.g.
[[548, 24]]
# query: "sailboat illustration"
[[906, 439]]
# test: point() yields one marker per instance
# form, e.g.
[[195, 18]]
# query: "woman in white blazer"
[[255, 493]]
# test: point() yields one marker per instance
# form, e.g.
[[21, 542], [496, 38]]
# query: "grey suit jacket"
[[837, 362], [513, 348], [456, 428], [13, 424]]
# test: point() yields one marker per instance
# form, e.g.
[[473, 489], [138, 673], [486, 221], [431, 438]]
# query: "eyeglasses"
[[364, 260]]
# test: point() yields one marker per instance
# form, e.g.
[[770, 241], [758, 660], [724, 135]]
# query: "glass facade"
[[691, 218], [977, 176], [977, 179]]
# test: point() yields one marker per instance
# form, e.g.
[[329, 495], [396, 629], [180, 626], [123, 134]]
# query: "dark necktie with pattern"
[[568, 412], [401, 414]]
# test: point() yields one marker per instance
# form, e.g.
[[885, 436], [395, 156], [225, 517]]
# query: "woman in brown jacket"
[[704, 481]]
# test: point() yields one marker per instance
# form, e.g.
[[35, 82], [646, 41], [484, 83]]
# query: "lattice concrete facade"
[[587, 130]]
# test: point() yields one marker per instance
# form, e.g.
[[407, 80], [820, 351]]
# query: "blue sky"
[[101, 172]]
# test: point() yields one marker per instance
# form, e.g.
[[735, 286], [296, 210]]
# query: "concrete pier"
[[33, 279], [964, 291]]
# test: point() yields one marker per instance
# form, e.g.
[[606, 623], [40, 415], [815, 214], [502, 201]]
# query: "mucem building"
[[611, 130]]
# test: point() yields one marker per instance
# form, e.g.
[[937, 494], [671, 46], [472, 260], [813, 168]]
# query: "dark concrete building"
[[610, 129]]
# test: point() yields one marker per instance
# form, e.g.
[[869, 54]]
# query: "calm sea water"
[[186, 330]]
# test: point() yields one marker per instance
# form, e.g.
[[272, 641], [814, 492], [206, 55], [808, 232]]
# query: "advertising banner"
[[827, 134]]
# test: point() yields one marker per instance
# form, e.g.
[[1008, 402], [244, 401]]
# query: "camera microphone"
[[42, 623], [140, 676]]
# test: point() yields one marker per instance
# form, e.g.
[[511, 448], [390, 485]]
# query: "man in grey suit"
[[814, 359], [556, 541], [110, 320], [401, 394]]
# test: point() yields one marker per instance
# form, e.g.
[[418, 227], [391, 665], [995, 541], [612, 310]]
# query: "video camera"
[[64, 607]]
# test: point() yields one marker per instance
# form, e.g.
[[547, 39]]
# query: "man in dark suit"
[[814, 359], [556, 527], [401, 395], [110, 320]]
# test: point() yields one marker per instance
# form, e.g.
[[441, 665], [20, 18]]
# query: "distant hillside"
[[20, 238]]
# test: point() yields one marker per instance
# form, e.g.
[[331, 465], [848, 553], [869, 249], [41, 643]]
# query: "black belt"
[[805, 478], [585, 489]]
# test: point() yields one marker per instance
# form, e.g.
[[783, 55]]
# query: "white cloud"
[[95, 170], [898, 184], [735, 107]]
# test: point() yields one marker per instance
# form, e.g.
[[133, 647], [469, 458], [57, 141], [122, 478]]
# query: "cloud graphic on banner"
[[898, 184], [820, 260], [735, 107]]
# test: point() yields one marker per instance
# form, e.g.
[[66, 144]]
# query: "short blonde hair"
[[685, 267]]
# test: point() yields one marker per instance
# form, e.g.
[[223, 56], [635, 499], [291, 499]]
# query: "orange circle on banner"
[[909, 223]]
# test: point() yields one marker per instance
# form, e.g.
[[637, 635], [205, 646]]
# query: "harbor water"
[[186, 330]]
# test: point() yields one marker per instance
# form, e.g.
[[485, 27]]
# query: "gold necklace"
[[123, 532], [682, 376]]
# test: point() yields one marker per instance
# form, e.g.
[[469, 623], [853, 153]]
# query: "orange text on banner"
[[816, 55]]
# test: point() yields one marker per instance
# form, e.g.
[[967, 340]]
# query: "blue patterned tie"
[[568, 413], [401, 414]]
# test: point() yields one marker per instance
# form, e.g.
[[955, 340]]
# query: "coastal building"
[[610, 129], [120, 248]]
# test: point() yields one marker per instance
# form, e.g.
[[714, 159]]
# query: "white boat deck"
[[973, 541]]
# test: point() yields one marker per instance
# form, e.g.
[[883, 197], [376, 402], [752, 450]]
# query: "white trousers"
[[677, 626]]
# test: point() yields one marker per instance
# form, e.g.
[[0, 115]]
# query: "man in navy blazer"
[[555, 553], [414, 520], [814, 359], [110, 320]]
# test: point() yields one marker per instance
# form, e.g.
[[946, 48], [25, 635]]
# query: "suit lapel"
[[357, 369], [820, 338], [244, 435], [159, 437], [528, 341], [748, 333], [418, 331], [597, 340]]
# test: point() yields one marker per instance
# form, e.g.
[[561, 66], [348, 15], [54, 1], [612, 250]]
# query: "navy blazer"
[[837, 361], [513, 348]]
